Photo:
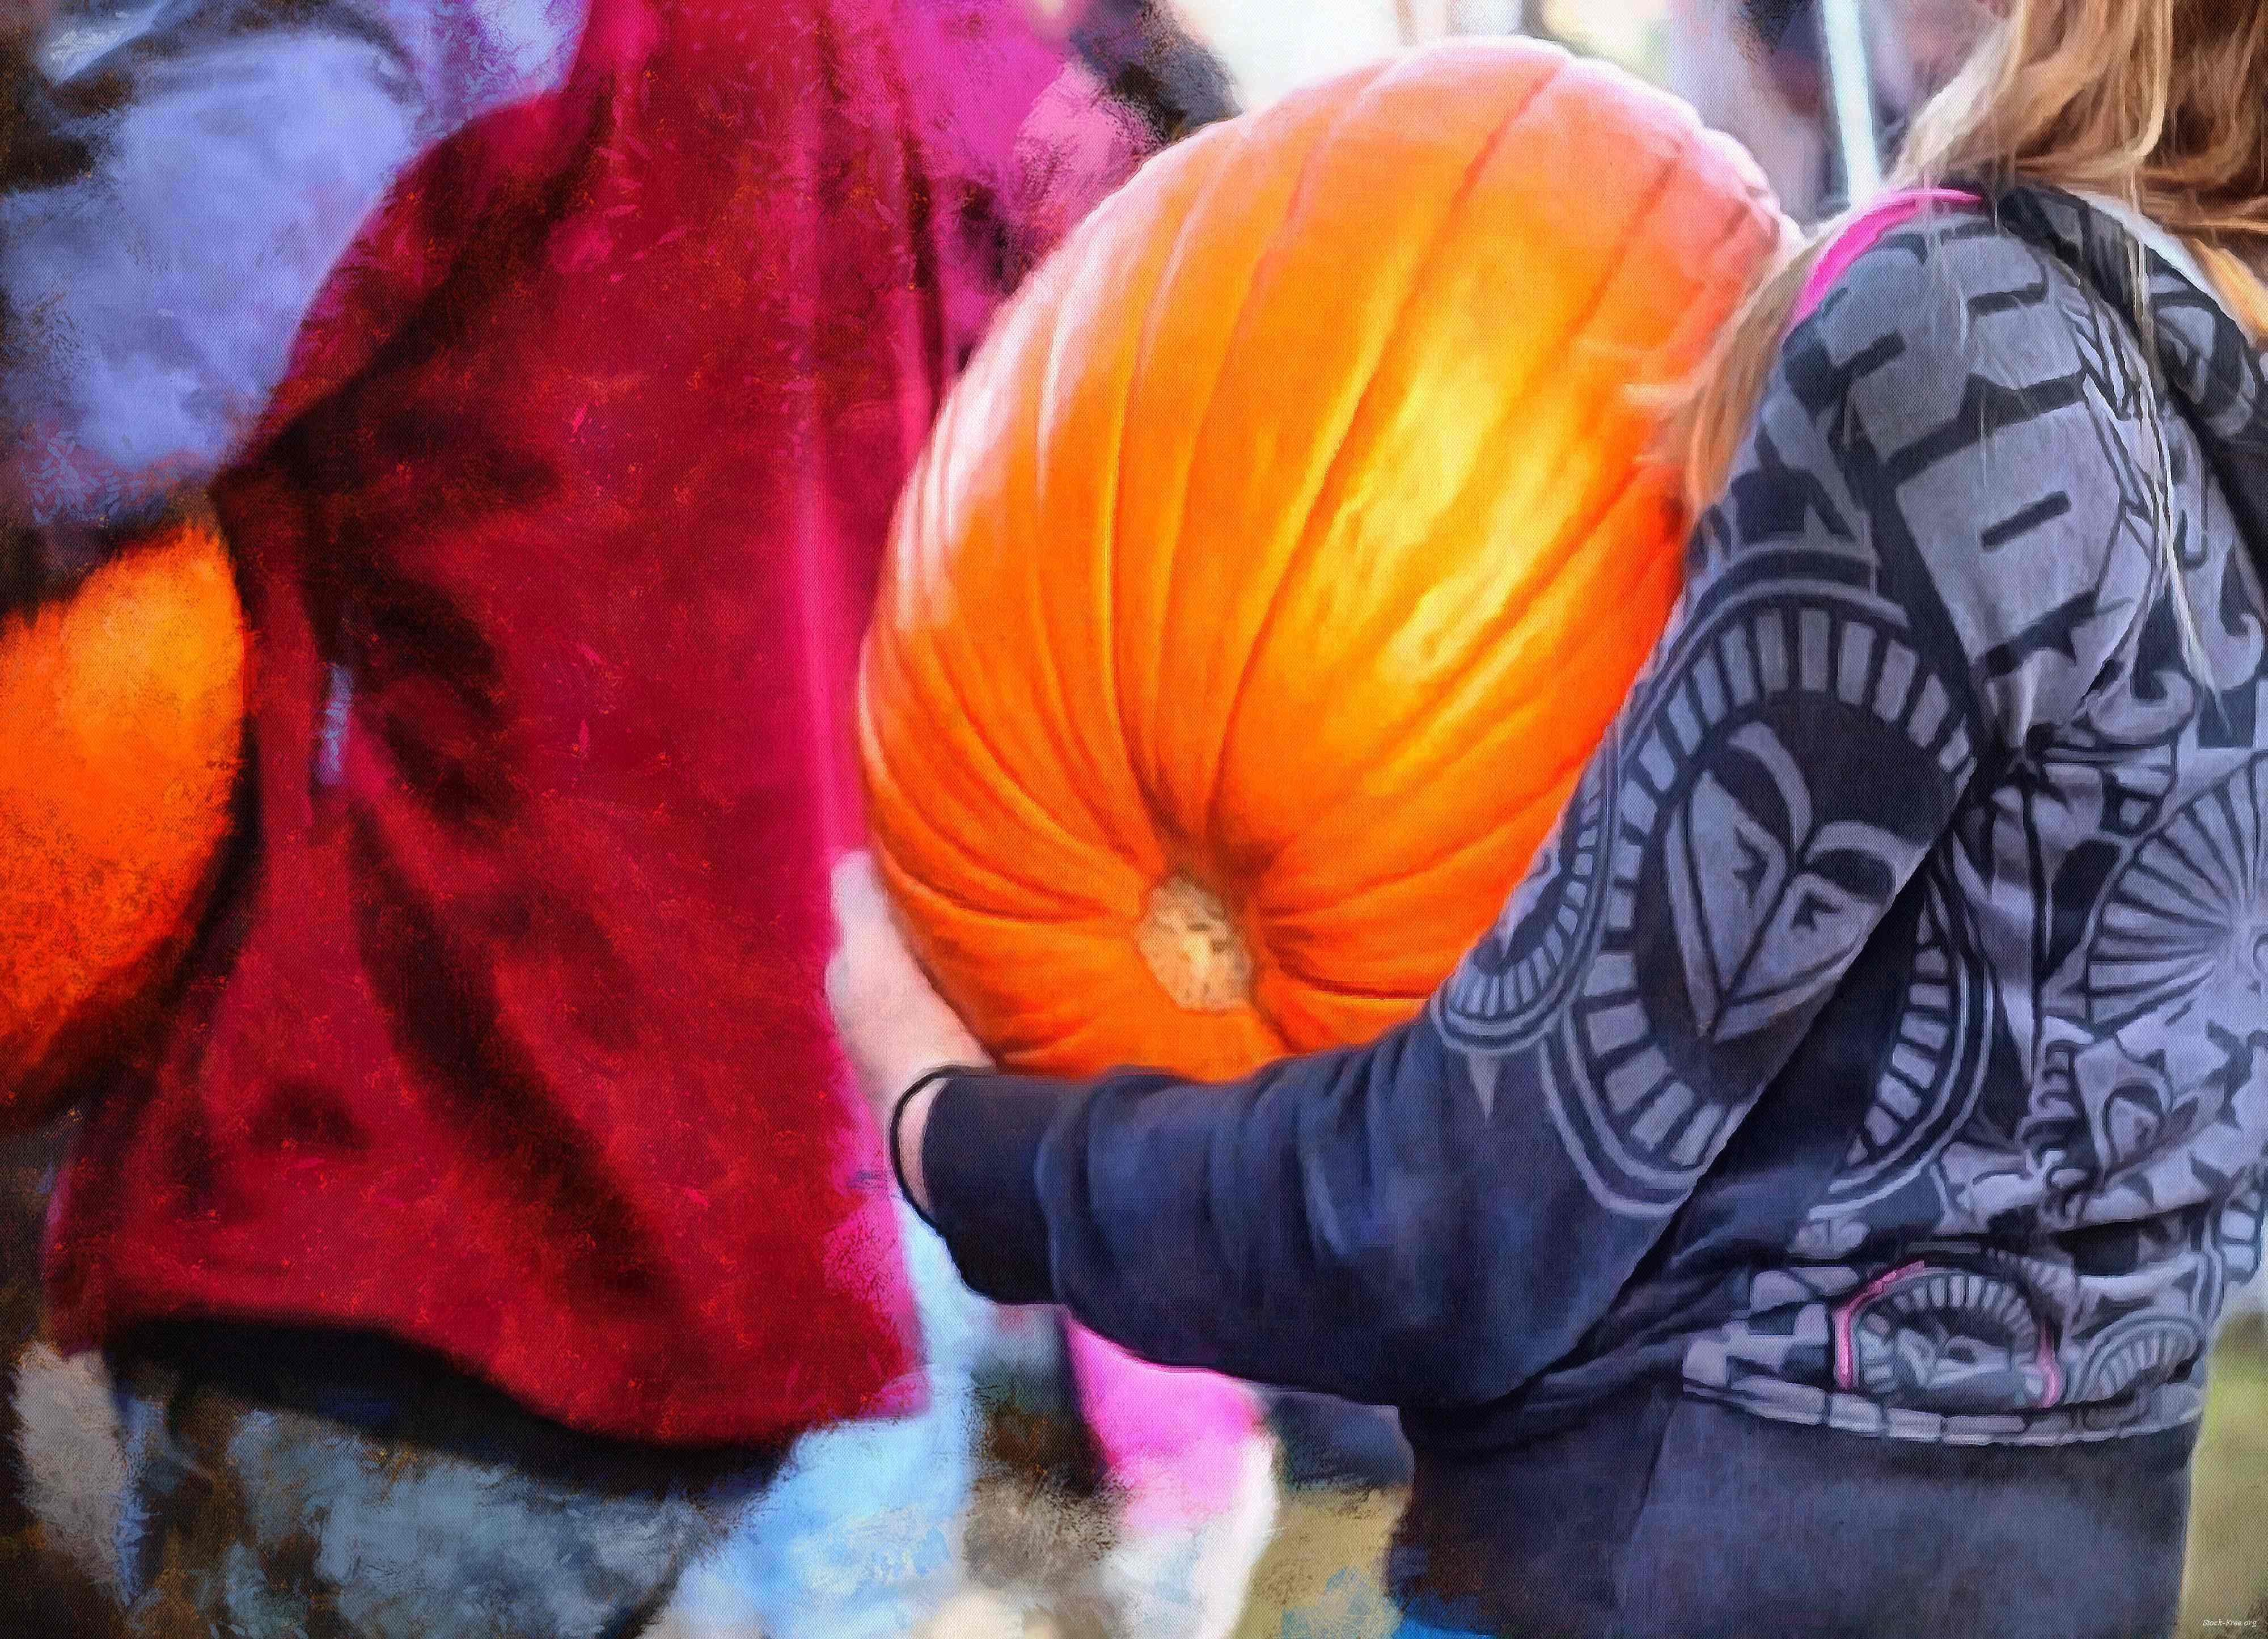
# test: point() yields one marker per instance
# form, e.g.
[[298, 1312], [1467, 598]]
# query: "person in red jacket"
[[493, 1210]]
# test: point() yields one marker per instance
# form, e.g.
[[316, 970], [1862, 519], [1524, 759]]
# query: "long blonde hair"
[[2160, 103]]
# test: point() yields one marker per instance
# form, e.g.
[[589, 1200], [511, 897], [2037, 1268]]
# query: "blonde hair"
[[2160, 103]]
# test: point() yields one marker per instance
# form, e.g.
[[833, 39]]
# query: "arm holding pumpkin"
[[1434, 1218]]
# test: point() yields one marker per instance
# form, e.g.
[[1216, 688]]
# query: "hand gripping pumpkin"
[[1284, 555], [119, 720]]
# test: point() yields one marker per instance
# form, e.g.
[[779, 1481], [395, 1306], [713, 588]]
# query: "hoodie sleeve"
[[172, 202], [1879, 605]]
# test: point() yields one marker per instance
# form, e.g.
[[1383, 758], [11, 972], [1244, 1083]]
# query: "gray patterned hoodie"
[[1882, 1039]]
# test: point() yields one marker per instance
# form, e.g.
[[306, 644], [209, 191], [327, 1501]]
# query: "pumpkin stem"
[[1190, 942]]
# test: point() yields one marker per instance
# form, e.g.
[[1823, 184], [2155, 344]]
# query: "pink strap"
[[1866, 230]]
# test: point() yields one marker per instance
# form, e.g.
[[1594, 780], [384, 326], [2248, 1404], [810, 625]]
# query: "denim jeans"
[[1666, 1516]]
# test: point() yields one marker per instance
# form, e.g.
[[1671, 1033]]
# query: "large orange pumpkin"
[[1285, 553], [121, 713]]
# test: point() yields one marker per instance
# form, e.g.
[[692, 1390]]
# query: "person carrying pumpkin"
[[1810, 1209], [490, 1210]]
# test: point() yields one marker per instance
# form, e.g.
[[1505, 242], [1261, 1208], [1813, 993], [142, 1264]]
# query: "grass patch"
[[2228, 1570]]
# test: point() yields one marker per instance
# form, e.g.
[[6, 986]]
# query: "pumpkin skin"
[[1284, 554], [121, 713]]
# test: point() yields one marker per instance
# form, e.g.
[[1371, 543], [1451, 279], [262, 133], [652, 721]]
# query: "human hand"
[[894, 1024]]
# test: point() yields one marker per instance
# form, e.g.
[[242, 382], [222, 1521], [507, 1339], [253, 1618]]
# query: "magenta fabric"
[[1177, 1440], [508, 1040]]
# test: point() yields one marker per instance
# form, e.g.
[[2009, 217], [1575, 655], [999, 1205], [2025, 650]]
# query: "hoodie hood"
[[2208, 369]]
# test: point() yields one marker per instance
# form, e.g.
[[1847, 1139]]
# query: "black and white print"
[[1769, 860], [2102, 907]]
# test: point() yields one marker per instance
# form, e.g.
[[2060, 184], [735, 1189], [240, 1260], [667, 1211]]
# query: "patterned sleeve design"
[[1917, 568], [1796, 749]]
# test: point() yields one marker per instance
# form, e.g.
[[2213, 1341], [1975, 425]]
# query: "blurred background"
[[1759, 70], [1756, 69]]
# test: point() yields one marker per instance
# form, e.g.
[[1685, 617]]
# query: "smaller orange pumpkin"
[[120, 726]]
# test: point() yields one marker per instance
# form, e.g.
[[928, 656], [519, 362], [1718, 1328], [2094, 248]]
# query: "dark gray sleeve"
[[1903, 577], [179, 185]]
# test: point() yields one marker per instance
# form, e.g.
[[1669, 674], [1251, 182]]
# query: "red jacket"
[[558, 541]]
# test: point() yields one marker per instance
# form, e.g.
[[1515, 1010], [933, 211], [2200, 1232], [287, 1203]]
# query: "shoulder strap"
[[1867, 230]]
